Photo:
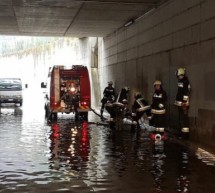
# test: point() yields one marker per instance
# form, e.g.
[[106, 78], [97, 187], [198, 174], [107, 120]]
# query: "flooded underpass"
[[65, 156]]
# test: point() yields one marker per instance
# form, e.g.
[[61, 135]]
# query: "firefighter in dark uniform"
[[108, 95], [182, 101], [119, 108], [139, 107], [158, 107]]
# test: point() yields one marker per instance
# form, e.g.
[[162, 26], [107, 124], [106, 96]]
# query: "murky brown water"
[[69, 157]]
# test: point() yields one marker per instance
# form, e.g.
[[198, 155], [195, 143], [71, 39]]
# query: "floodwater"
[[80, 157]]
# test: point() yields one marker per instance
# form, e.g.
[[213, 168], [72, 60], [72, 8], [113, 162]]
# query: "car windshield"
[[10, 84]]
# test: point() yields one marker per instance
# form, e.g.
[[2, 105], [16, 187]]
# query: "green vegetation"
[[22, 46]]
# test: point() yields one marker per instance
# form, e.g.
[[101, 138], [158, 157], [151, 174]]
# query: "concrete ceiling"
[[76, 18]]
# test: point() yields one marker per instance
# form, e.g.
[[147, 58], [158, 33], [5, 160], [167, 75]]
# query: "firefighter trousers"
[[183, 117], [159, 120]]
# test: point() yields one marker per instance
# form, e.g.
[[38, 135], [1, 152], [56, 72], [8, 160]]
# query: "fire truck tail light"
[[84, 103], [54, 104]]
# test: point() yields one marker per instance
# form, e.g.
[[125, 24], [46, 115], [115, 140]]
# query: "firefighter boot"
[[185, 133]]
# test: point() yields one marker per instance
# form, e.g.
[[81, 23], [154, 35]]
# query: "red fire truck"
[[69, 92]]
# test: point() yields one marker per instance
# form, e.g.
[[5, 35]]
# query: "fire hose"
[[94, 111]]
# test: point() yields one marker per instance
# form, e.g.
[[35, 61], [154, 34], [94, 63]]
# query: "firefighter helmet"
[[126, 88], [180, 71], [137, 95], [157, 82], [110, 82]]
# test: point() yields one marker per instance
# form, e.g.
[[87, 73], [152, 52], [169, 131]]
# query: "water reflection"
[[78, 157], [69, 146], [183, 181], [158, 171], [6, 109], [141, 149], [118, 152]]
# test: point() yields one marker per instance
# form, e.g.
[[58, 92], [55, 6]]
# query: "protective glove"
[[161, 106], [133, 114]]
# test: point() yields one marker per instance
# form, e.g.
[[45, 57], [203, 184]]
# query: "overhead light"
[[130, 22]]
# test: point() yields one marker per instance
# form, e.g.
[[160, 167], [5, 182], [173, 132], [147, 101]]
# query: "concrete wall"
[[89, 50], [180, 33]]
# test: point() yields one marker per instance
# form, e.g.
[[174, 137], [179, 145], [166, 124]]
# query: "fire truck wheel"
[[47, 112], [53, 117], [76, 116], [84, 116]]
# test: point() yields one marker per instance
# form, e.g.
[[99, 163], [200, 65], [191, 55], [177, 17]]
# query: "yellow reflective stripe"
[[159, 129], [185, 130], [144, 108], [178, 103], [155, 111], [140, 102]]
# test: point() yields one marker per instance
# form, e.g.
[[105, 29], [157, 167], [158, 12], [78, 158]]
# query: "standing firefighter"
[[182, 101], [158, 107], [108, 95]]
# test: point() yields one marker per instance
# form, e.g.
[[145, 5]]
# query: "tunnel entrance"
[[30, 58]]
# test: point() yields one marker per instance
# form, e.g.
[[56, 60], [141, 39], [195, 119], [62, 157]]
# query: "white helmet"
[[137, 95], [126, 88], [157, 82], [180, 71]]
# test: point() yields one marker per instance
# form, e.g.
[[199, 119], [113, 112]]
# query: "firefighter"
[[108, 95], [123, 95], [120, 108], [139, 107], [182, 101], [158, 107]]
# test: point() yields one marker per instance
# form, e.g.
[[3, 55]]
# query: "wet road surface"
[[80, 157]]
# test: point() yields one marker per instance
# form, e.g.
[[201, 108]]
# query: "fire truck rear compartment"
[[69, 94], [70, 91]]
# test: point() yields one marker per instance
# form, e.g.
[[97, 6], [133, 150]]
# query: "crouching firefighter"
[[182, 101], [158, 110], [117, 108], [139, 108], [108, 96]]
